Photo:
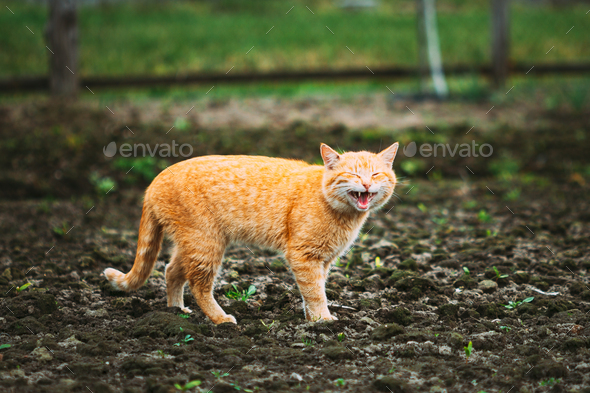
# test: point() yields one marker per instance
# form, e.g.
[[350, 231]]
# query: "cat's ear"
[[388, 155], [329, 155]]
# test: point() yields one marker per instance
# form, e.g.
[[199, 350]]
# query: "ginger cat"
[[311, 213]]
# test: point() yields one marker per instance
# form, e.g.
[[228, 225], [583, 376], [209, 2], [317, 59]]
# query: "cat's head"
[[358, 181]]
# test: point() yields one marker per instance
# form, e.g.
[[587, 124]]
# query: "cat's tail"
[[148, 246]]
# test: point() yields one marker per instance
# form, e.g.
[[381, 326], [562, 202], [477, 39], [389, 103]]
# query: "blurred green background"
[[169, 37]]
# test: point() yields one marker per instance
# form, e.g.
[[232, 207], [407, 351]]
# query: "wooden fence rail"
[[42, 83]]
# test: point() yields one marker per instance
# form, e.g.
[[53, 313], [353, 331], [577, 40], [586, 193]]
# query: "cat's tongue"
[[363, 201]]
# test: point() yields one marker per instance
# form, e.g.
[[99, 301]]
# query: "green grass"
[[181, 37]]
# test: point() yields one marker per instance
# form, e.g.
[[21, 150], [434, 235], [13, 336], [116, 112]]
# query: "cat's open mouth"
[[362, 198]]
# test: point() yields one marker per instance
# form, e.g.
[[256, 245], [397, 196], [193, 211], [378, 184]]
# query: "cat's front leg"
[[311, 280]]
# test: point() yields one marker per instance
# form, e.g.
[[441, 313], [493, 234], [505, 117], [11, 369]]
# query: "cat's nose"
[[367, 186]]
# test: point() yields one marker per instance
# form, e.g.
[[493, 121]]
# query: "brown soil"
[[404, 319]]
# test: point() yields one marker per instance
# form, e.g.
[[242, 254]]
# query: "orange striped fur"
[[311, 213]]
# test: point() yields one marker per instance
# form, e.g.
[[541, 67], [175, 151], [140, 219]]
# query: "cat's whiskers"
[[396, 196]]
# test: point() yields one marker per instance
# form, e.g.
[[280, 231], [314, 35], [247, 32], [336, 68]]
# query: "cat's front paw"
[[225, 318], [322, 317], [186, 310]]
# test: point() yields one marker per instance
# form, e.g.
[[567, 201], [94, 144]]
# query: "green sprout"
[[102, 185], [466, 270], [484, 216], [185, 316], [468, 350], [307, 342], [61, 230], [498, 275], [4, 346], [237, 387], [243, 295], [219, 375], [506, 328], [340, 337], [340, 382], [550, 382], [188, 386], [439, 220], [348, 264], [23, 287], [512, 305], [378, 262], [185, 340], [269, 326]]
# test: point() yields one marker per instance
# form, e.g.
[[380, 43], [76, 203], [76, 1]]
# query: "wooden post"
[[62, 40], [500, 42], [422, 46], [429, 47]]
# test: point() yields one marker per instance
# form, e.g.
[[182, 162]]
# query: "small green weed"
[[240, 295], [340, 382], [466, 270], [550, 382], [4, 346], [23, 287], [512, 195], [512, 305], [439, 220], [484, 216], [269, 326], [470, 205], [340, 337], [237, 387], [378, 262], [412, 166], [348, 264], [504, 168], [498, 275], [185, 316], [468, 350], [140, 168], [188, 386], [506, 328], [187, 339], [218, 374], [102, 185], [181, 124], [61, 230], [307, 342]]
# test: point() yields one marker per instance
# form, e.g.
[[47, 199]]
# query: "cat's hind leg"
[[175, 281], [204, 253]]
